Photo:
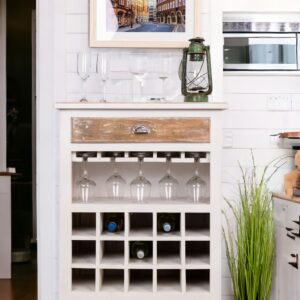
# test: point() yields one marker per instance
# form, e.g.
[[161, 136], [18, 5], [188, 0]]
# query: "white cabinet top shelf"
[[141, 106]]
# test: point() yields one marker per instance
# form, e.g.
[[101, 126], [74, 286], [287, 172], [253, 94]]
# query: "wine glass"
[[102, 69], [196, 187], [168, 185], [115, 184], [85, 185], [138, 68], [164, 72], [84, 66], [140, 187]]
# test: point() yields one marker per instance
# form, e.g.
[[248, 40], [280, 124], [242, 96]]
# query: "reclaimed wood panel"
[[121, 130]]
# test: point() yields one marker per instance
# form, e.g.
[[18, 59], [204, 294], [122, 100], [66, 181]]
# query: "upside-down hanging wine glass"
[[168, 185], [84, 65], [85, 185], [196, 186], [140, 187], [115, 184]]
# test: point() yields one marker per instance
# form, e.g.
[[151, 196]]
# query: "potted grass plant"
[[250, 242]]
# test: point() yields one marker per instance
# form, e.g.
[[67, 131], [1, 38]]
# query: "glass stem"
[[140, 167], [103, 92], [132, 88], [84, 89], [163, 89], [141, 88], [168, 166], [114, 165], [84, 172], [196, 166]]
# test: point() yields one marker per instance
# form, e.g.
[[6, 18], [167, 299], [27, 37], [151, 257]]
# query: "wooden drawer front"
[[139, 130]]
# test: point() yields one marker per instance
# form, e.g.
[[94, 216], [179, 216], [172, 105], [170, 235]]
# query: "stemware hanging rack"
[[131, 156]]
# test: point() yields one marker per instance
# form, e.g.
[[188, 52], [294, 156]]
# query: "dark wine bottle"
[[139, 250], [114, 222], [166, 222]]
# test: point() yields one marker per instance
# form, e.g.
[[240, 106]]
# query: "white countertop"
[[141, 106]]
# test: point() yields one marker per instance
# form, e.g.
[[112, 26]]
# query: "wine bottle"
[[166, 222], [114, 222], [139, 250]]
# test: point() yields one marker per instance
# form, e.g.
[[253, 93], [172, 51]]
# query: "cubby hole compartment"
[[173, 233], [140, 280], [83, 252], [168, 253], [168, 280], [111, 280], [84, 225], [141, 225], [112, 253], [197, 225], [197, 253], [83, 280], [104, 231], [197, 281], [145, 262]]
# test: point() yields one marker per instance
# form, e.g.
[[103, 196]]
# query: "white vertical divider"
[[126, 279], [98, 249], [154, 251], [183, 280], [97, 278], [182, 252], [100, 271], [100, 278], [126, 251]]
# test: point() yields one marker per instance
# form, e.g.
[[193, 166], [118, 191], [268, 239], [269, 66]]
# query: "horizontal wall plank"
[[231, 157], [253, 139], [261, 84], [77, 6], [77, 42], [261, 120], [77, 24]]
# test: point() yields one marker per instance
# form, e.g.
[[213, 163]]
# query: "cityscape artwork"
[[148, 15]]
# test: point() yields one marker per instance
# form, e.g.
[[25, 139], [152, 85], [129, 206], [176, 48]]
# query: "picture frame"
[[133, 24]]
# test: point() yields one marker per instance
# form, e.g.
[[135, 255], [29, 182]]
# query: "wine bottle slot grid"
[[125, 251]]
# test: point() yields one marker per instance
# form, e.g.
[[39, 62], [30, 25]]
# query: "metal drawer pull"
[[294, 264], [140, 129]]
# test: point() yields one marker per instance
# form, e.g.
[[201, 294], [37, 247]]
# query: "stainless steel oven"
[[248, 47]]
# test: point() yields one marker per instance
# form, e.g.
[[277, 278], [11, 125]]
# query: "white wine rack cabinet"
[[184, 264]]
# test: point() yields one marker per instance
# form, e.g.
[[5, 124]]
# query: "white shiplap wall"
[[121, 85], [247, 124]]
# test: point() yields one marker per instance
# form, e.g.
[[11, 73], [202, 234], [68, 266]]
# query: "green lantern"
[[195, 71]]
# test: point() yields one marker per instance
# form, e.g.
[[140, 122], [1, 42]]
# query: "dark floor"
[[23, 285]]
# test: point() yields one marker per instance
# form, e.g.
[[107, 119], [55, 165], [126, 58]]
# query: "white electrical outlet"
[[279, 102]]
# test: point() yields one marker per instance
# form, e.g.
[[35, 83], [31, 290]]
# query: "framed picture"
[[143, 23]]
